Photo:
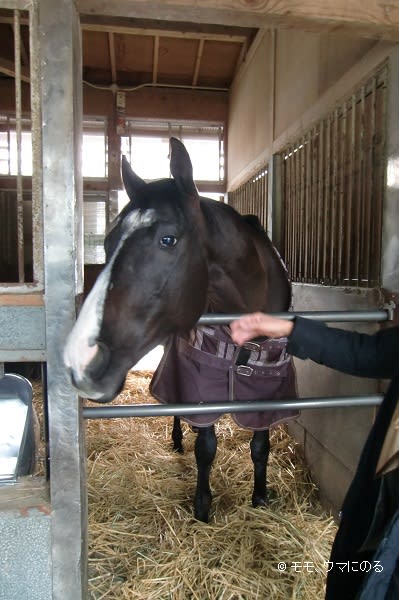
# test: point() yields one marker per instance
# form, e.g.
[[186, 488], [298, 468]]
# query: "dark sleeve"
[[351, 352]]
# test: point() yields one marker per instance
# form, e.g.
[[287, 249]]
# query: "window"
[[94, 149], [147, 147], [8, 147], [94, 216]]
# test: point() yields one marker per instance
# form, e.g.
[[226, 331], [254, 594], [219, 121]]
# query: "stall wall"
[[307, 64], [332, 439], [150, 103], [283, 76], [300, 77], [250, 125]]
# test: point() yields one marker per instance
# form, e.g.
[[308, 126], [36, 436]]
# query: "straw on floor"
[[144, 542]]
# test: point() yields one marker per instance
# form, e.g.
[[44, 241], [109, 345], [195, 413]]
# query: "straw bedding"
[[144, 543]]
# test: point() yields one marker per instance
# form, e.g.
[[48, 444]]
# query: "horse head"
[[154, 282]]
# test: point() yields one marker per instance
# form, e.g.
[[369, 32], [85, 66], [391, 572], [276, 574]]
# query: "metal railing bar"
[[169, 410], [337, 316]]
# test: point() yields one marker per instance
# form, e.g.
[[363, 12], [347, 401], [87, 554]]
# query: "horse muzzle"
[[87, 365]]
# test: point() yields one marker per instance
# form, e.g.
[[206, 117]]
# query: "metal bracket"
[[390, 308]]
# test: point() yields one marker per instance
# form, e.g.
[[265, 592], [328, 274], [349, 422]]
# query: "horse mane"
[[255, 222]]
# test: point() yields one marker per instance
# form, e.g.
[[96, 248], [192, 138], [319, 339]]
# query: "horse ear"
[[131, 181], [181, 167]]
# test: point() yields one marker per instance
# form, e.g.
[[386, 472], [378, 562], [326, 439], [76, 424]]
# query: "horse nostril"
[[99, 362], [74, 382]]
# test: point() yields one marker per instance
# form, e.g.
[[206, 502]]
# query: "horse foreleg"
[[205, 450], [177, 435], [260, 447]]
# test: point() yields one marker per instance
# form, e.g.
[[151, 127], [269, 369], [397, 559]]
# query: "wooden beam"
[[170, 33], [16, 4], [8, 68], [373, 18], [111, 45], [198, 62], [240, 59], [23, 299], [155, 60]]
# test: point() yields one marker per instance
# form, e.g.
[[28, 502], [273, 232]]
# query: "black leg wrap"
[[205, 450], [177, 436], [260, 447]]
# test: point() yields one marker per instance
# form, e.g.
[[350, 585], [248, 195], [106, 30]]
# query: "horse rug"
[[201, 367]]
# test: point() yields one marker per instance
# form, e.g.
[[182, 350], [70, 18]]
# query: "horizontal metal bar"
[[169, 410], [337, 316]]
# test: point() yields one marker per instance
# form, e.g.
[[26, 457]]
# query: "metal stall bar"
[[169, 410], [18, 131], [381, 138], [390, 200], [337, 316], [155, 410], [341, 194], [58, 51], [36, 127]]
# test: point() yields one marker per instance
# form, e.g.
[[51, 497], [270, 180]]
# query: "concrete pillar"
[[390, 218]]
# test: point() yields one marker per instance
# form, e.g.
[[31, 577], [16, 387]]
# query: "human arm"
[[351, 352]]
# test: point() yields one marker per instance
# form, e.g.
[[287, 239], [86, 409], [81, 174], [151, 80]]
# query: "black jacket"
[[369, 356]]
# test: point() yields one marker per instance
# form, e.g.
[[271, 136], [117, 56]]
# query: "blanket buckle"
[[244, 370]]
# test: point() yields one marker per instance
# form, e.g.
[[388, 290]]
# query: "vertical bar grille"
[[18, 122], [251, 197], [332, 186], [21, 249]]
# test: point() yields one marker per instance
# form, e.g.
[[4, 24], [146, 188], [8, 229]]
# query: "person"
[[364, 561]]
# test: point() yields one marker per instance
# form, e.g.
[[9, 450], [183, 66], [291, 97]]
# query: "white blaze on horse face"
[[81, 347]]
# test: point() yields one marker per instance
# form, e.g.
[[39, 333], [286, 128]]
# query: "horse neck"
[[245, 272]]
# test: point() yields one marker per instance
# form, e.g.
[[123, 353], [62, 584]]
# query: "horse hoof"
[[256, 502], [264, 501], [202, 506], [178, 449], [202, 517]]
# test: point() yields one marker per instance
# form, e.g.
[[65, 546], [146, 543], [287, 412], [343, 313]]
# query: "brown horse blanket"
[[201, 367]]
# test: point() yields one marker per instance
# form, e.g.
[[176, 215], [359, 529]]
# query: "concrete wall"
[[25, 541]]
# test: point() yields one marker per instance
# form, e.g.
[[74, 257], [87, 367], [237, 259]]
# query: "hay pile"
[[144, 543]]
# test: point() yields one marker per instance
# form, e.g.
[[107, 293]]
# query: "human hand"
[[259, 324]]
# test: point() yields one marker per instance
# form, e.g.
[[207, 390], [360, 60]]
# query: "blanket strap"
[[239, 364]]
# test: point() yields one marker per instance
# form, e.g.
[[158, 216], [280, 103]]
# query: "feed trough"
[[17, 433]]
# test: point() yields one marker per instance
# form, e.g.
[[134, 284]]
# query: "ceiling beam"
[[111, 46], [200, 50], [16, 4], [170, 33], [373, 18], [240, 59], [155, 60]]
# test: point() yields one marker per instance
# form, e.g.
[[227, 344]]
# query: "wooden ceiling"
[[131, 53], [134, 52], [131, 43]]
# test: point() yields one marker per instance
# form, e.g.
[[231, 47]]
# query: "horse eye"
[[168, 241]]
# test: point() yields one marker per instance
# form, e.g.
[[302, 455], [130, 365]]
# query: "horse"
[[172, 255]]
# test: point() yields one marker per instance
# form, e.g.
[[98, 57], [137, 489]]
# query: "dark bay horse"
[[171, 256]]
